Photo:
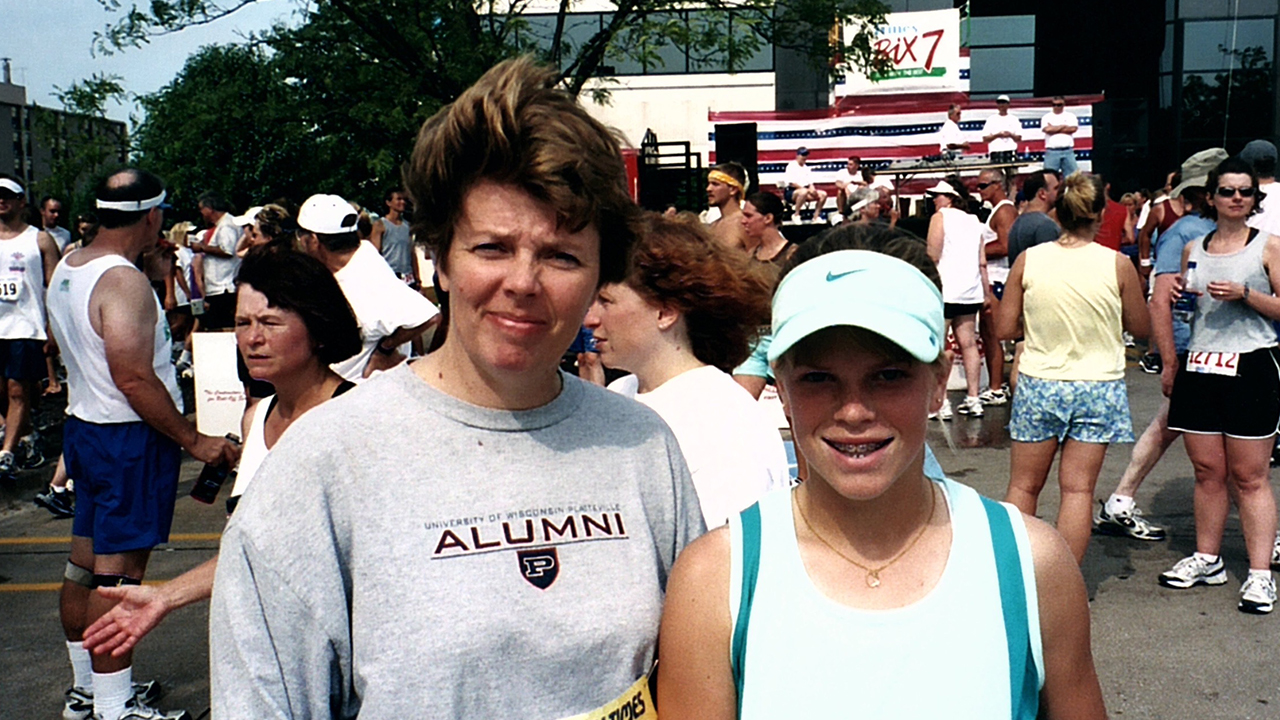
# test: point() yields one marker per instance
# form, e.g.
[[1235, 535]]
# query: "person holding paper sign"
[[1226, 396]]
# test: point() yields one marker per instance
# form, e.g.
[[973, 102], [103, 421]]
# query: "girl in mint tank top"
[[871, 590]]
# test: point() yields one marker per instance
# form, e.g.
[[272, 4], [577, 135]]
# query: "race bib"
[[1213, 363], [634, 702], [10, 288]]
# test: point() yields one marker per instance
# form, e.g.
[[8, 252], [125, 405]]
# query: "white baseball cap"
[[248, 217], [327, 215]]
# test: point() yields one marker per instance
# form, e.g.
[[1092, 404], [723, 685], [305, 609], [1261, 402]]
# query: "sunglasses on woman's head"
[[1226, 192]]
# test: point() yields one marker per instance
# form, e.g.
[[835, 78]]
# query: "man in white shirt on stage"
[[951, 141], [1059, 127], [1002, 132], [798, 186]]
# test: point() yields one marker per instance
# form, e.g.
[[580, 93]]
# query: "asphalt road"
[[1160, 653]]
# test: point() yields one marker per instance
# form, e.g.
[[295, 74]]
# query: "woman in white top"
[[870, 590], [682, 319], [292, 322], [955, 244]]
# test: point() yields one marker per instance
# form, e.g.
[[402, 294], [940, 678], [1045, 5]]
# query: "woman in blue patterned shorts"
[[1070, 298]]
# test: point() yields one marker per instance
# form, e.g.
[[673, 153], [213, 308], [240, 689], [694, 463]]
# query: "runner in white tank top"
[[871, 591], [27, 258]]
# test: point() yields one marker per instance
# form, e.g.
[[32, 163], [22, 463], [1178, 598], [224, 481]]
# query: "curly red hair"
[[723, 297]]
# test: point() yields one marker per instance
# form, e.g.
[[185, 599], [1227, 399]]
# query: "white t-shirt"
[[734, 452], [219, 272], [848, 179], [882, 182], [382, 304], [183, 260], [1002, 123], [1268, 218], [797, 174], [1059, 141], [950, 134]]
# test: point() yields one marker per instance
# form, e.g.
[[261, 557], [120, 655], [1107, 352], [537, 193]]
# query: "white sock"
[[110, 692], [81, 665], [1207, 558], [1264, 574], [1119, 504]]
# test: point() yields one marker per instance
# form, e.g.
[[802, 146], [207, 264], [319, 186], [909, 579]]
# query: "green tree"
[[1238, 105]]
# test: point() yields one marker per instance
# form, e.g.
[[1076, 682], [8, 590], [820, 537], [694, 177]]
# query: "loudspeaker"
[[737, 142]]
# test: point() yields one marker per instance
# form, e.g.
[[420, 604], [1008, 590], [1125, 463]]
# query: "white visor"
[[131, 205], [12, 186]]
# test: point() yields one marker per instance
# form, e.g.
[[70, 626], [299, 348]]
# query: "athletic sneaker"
[[61, 504], [1128, 339], [1191, 571], [1151, 364], [998, 396], [29, 455], [1126, 524], [79, 703], [971, 406], [8, 463], [136, 710], [944, 412], [1275, 552], [1257, 595]]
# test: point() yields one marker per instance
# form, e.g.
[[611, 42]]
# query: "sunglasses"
[[1059, 105], [985, 185], [1226, 192]]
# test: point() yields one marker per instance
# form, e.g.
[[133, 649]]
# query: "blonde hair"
[[1080, 201]]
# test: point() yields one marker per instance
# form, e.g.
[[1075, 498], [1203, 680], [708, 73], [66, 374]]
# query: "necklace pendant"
[[873, 579]]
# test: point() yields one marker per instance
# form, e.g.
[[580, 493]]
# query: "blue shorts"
[[126, 483], [1086, 411], [22, 359]]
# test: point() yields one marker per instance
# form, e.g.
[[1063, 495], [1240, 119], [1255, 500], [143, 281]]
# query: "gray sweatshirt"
[[402, 553]]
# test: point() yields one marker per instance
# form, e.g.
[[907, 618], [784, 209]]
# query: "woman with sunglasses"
[[1226, 396]]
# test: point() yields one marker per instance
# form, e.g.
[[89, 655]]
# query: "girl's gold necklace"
[[873, 574]]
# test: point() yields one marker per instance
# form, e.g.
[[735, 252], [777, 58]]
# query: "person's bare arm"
[[384, 360], [1001, 223], [1133, 311], [695, 679], [1071, 690], [1009, 314], [1160, 308], [139, 608], [1265, 303], [123, 311], [197, 272], [935, 237], [375, 237], [49, 255], [1145, 251]]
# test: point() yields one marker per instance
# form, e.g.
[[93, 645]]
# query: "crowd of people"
[[528, 535]]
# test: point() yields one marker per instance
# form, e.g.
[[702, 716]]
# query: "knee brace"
[[78, 575], [110, 580]]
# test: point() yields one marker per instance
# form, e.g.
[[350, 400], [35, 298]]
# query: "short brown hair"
[[515, 127], [723, 297]]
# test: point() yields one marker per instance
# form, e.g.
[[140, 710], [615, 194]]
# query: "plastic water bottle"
[[1185, 307]]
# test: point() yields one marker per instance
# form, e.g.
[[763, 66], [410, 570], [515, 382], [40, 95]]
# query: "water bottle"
[[1185, 307], [212, 478]]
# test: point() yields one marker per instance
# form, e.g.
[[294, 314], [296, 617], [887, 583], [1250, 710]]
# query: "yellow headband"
[[725, 178]]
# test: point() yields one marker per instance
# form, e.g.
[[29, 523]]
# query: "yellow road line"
[[46, 587], [66, 539]]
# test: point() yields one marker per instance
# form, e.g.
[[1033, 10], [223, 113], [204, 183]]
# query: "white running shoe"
[[944, 412], [1257, 595], [1191, 571], [972, 406]]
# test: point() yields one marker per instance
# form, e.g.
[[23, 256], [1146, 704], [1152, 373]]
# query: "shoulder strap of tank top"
[[1024, 693], [343, 386], [1209, 236], [1253, 233], [750, 521]]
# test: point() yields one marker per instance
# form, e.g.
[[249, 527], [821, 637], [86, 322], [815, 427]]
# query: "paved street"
[[1160, 653]]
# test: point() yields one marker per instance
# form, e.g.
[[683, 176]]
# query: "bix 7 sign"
[[924, 49]]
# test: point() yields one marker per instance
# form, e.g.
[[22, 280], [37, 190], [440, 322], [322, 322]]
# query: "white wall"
[[675, 107]]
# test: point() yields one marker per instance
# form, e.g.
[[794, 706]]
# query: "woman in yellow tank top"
[[1070, 299]]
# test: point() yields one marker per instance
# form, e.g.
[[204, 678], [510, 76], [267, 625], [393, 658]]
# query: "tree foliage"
[[1238, 105]]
